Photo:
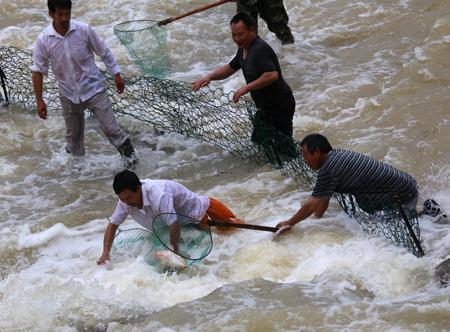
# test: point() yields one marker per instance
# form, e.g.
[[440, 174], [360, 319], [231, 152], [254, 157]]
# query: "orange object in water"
[[219, 212]]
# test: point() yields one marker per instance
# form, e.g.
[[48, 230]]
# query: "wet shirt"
[[162, 196], [72, 60], [260, 59], [368, 179]]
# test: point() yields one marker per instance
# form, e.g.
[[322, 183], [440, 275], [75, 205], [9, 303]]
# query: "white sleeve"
[[166, 206], [119, 215], [99, 47], [40, 58]]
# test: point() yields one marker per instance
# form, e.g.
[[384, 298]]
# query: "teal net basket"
[[145, 42], [135, 242]]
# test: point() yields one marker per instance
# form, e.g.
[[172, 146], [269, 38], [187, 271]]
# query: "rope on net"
[[212, 117]]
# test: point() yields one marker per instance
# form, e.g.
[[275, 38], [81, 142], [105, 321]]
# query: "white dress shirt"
[[162, 196], [72, 60]]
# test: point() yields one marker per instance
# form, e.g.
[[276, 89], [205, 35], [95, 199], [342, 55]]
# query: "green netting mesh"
[[387, 222], [145, 42], [193, 243], [140, 241], [212, 117], [133, 235]]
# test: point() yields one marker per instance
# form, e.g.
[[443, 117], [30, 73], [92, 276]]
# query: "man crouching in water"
[[144, 200]]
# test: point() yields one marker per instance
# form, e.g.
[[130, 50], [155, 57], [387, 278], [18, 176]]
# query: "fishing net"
[[183, 235], [385, 220], [212, 117], [141, 242], [145, 42]]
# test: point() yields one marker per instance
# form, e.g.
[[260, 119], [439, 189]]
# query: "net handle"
[[194, 11], [246, 226], [411, 231]]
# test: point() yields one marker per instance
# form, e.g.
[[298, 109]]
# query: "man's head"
[[243, 30], [315, 148], [59, 11], [127, 186]]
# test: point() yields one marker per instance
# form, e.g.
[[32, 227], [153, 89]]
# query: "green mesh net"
[[145, 42], [135, 242], [385, 220], [192, 242], [212, 117]]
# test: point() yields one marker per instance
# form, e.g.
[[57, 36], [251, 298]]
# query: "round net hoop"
[[194, 243], [145, 42]]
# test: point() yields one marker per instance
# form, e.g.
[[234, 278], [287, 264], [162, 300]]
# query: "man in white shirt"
[[144, 200], [69, 47]]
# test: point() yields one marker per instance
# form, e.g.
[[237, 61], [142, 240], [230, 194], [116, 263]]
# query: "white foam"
[[351, 81]]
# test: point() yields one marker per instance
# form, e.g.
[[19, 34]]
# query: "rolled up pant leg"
[[101, 107], [275, 15], [74, 117]]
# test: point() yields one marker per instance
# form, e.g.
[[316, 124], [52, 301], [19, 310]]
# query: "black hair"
[[126, 180], [248, 21], [316, 141], [63, 4]]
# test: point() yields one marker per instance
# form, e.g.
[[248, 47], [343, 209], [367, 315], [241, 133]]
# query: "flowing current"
[[373, 76]]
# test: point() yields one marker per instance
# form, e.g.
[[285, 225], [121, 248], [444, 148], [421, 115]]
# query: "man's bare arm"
[[218, 74], [316, 205], [107, 243], [38, 84]]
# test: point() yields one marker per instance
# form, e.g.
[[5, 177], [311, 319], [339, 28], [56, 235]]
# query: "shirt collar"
[[53, 32]]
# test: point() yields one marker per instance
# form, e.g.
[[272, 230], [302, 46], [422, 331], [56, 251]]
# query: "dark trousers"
[[272, 129], [271, 11]]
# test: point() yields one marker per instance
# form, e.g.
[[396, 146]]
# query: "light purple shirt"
[[72, 60], [162, 196]]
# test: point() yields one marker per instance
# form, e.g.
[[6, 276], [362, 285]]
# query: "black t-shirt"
[[261, 58]]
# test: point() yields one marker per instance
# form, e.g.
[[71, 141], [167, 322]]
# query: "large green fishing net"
[[145, 42], [192, 241], [212, 117], [134, 242]]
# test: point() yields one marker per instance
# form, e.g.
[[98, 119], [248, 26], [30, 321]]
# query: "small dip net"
[[145, 42], [211, 116], [191, 241], [135, 242]]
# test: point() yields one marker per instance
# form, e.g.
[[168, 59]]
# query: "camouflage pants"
[[271, 11]]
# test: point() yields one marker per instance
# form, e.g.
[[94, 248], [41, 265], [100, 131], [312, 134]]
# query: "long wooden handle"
[[247, 226], [194, 11]]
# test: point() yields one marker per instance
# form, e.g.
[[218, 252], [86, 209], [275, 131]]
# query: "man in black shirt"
[[259, 63], [373, 183]]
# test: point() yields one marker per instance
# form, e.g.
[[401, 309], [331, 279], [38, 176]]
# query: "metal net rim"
[[121, 27], [156, 233]]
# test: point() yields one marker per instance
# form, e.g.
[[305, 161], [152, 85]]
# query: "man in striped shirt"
[[373, 183]]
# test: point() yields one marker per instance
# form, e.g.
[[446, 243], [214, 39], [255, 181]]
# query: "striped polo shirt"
[[370, 180]]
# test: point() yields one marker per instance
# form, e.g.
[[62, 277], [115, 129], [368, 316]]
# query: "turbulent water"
[[373, 76]]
